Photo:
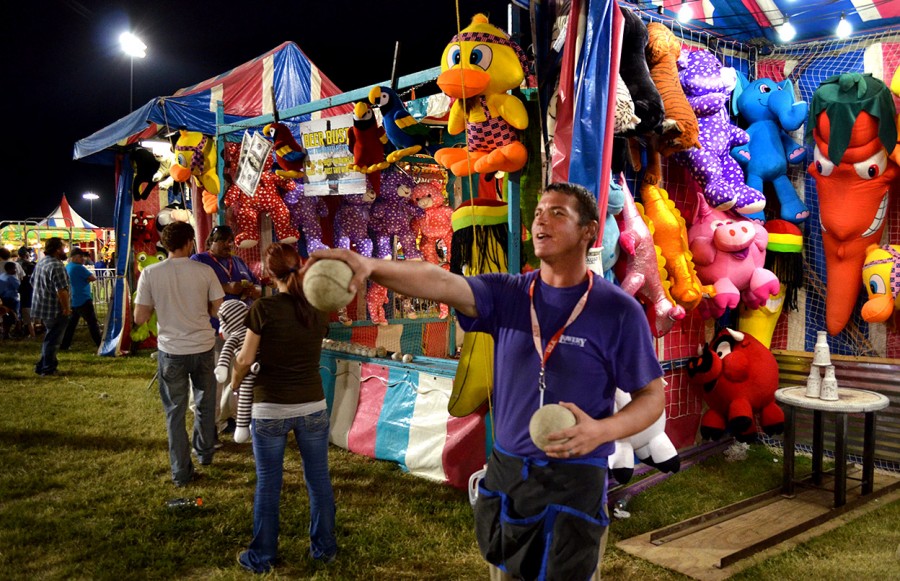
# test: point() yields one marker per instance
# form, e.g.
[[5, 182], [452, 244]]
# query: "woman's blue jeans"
[[269, 441]]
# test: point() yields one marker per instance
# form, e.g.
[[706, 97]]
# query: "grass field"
[[85, 480]]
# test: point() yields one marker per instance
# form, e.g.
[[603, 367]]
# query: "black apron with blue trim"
[[542, 520]]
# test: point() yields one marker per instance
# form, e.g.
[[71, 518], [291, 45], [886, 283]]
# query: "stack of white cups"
[[817, 386]]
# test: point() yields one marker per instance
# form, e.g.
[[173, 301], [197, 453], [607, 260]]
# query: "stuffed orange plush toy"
[[852, 123], [679, 128]]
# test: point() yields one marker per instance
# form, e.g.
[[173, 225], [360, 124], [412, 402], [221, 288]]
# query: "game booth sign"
[[663, 205]]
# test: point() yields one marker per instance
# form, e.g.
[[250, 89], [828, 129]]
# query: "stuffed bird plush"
[[407, 135], [290, 155], [478, 67], [366, 140]]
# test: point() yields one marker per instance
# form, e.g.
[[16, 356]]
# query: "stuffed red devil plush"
[[739, 377]]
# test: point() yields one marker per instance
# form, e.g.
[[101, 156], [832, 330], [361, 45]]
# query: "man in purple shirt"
[[544, 511]]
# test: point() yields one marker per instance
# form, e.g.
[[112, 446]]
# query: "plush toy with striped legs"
[[231, 322]]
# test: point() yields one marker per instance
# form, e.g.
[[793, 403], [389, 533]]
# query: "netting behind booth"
[[808, 66]]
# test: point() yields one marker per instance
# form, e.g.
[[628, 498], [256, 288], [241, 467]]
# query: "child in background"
[[9, 295]]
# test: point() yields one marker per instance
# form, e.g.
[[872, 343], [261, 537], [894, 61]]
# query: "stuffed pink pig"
[[729, 254]]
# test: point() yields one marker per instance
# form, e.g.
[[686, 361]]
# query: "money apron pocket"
[[559, 543]]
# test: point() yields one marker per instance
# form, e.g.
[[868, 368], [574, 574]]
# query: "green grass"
[[85, 479]]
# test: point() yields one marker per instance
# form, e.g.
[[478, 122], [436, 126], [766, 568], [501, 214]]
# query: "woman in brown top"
[[287, 332]]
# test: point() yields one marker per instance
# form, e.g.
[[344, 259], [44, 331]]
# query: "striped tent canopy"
[[63, 222], [280, 79], [65, 217], [757, 21]]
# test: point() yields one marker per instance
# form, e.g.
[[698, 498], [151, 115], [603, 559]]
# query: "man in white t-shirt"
[[184, 293]]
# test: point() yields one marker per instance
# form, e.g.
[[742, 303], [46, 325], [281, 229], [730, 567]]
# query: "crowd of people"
[[562, 335]]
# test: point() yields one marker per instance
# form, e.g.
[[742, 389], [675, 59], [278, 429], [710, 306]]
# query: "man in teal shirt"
[[80, 279]]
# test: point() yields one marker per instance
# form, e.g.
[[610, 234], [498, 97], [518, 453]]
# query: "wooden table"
[[850, 401]]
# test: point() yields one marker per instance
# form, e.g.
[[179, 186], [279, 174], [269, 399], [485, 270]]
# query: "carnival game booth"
[[580, 130], [140, 148], [63, 222]]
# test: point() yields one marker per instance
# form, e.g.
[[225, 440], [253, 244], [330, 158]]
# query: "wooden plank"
[[718, 551]]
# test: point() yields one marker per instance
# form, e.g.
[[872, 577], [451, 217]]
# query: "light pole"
[[133, 47], [91, 196]]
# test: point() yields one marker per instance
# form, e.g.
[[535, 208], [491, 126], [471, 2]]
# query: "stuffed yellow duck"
[[478, 67], [881, 277], [195, 155]]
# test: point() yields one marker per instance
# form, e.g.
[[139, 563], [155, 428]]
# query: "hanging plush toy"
[[173, 213], [366, 140], [290, 155], [480, 233], [651, 445], [143, 336], [852, 123], [145, 166], [392, 214], [648, 104], [881, 277], [434, 227], [642, 274], [231, 323], [625, 119], [670, 235], [609, 243], [268, 199], [739, 377], [306, 214], [680, 130], [351, 232], [772, 111], [143, 233], [729, 254], [195, 155], [784, 258], [407, 135], [708, 85], [478, 67]]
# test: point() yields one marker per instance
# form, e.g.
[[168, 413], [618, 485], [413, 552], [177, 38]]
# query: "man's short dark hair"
[[9, 267], [52, 246], [4, 253], [176, 235], [587, 202]]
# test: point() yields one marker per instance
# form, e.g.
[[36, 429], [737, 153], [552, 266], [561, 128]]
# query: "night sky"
[[68, 78]]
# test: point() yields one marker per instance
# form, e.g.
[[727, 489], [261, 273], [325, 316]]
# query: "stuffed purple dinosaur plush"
[[392, 214], [707, 86], [306, 212]]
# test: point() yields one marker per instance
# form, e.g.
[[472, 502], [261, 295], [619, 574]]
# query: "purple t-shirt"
[[609, 345]]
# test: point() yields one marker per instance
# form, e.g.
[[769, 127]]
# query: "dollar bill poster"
[[328, 155], [254, 151]]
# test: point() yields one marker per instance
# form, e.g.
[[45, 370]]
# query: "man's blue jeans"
[[269, 441], [178, 374], [50, 347]]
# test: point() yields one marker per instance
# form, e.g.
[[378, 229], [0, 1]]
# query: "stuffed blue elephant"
[[609, 253], [772, 111]]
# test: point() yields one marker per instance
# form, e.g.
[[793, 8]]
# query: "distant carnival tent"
[[63, 222], [278, 80]]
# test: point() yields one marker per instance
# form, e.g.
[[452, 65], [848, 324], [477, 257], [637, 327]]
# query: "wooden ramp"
[[718, 544]]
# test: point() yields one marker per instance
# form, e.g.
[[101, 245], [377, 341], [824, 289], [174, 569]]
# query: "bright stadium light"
[[133, 47]]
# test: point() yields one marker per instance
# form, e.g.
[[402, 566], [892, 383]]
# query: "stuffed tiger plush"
[[679, 128]]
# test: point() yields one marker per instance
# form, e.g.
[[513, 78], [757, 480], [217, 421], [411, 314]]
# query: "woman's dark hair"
[[283, 262]]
